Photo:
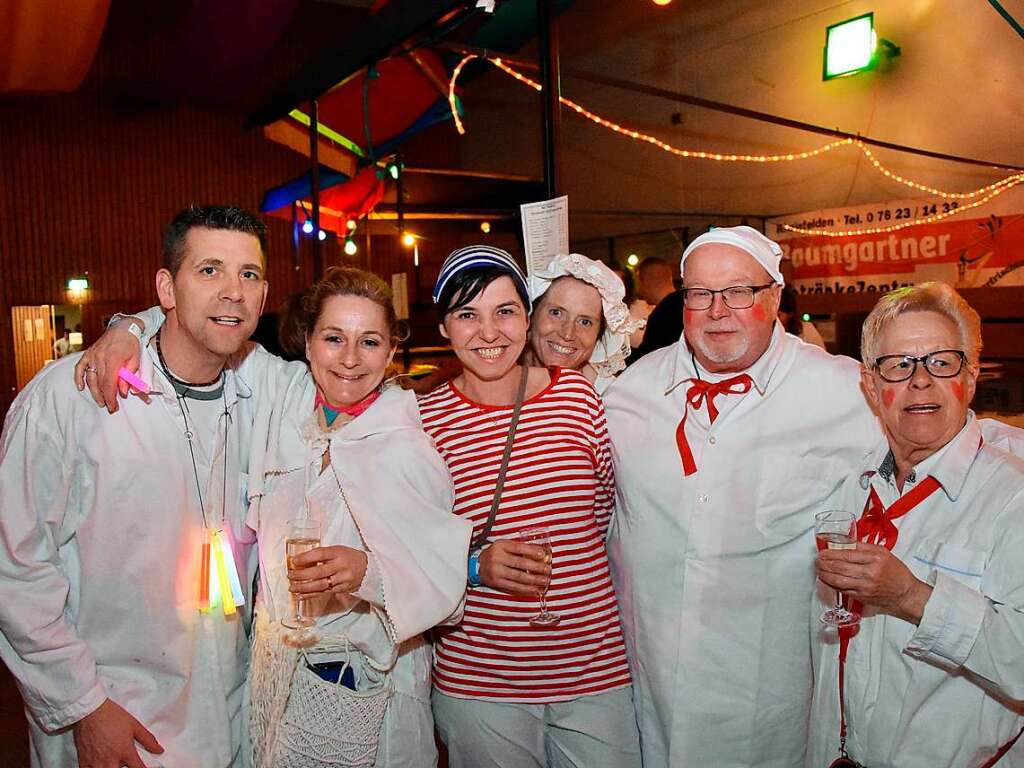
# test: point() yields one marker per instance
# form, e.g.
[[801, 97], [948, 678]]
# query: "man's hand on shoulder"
[[98, 366], [106, 738]]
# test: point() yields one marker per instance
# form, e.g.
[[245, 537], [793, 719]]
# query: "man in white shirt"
[[934, 673], [725, 445], [104, 522]]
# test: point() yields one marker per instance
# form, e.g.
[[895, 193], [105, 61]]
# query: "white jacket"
[[401, 499], [714, 571], [387, 492], [100, 543], [950, 691]]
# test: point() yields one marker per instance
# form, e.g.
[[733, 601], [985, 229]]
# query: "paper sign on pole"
[[400, 294], [545, 232]]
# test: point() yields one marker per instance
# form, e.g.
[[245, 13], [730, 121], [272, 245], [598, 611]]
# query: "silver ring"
[[330, 581], [90, 369]]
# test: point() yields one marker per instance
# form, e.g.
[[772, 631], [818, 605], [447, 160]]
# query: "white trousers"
[[597, 731]]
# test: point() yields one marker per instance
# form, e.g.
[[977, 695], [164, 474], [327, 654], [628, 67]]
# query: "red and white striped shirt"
[[560, 477]]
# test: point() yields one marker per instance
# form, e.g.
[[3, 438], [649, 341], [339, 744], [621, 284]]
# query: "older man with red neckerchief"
[[725, 446], [934, 673]]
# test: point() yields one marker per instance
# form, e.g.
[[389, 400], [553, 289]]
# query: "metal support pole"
[[399, 205], [314, 179], [547, 32]]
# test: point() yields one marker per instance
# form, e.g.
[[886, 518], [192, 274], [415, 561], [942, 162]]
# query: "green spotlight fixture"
[[852, 46]]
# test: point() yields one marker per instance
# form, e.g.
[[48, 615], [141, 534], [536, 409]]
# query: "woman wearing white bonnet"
[[580, 320]]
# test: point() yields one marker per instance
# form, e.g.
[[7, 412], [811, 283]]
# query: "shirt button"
[[703, 498], [712, 440]]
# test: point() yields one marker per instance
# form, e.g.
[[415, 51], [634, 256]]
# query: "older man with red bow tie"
[[726, 444], [934, 674]]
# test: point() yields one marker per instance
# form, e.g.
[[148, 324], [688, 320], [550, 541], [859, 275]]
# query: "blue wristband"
[[473, 569]]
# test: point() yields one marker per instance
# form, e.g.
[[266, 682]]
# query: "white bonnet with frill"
[[612, 349]]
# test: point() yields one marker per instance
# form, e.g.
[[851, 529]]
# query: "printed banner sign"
[[983, 247]]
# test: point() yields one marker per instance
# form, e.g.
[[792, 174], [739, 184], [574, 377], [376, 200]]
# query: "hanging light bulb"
[[408, 239], [632, 259], [485, 227], [351, 249], [321, 235], [307, 227], [351, 225]]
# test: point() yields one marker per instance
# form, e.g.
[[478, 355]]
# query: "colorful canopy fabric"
[[404, 95]]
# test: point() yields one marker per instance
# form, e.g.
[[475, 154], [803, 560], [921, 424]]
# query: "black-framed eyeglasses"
[[942, 364], [735, 296]]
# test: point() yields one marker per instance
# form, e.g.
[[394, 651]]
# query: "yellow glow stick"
[[223, 580]]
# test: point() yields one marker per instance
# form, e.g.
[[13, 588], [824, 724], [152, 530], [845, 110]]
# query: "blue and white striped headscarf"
[[480, 256]]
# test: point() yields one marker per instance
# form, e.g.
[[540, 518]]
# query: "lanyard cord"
[[181, 394], [189, 436]]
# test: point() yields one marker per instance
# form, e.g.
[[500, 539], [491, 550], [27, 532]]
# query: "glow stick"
[[229, 558], [133, 381], [204, 574], [223, 580]]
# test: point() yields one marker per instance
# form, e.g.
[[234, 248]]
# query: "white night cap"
[[765, 252]]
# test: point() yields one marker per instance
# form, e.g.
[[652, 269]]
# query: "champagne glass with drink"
[[836, 529], [539, 537], [303, 535]]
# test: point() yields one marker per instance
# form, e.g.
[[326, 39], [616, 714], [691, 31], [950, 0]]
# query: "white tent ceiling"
[[955, 89]]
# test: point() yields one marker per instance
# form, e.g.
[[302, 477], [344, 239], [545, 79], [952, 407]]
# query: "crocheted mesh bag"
[[327, 724], [300, 720]]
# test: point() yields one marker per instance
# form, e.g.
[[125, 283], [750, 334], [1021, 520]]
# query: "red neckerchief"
[[701, 392], [331, 411], [875, 526]]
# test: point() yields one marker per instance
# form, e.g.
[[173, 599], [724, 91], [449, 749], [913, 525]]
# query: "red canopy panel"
[[351, 200], [404, 88]]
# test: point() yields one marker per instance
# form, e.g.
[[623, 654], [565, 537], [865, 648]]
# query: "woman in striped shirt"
[[508, 692]]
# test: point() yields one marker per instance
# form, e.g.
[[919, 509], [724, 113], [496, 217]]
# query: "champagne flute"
[[303, 535], [836, 529], [540, 537]]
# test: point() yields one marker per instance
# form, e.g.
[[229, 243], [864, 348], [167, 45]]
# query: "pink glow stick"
[[133, 381]]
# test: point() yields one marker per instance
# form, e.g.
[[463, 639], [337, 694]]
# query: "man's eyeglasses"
[[942, 364], [735, 296]]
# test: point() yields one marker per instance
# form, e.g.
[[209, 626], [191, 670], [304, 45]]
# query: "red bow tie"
[[875, 525], [701, 392]]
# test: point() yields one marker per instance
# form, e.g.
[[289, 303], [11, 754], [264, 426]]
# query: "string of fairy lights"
[[984, 194]]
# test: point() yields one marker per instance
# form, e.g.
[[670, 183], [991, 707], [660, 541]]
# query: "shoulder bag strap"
[[500, 484]]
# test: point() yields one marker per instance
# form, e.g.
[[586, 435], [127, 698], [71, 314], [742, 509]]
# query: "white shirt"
[[950, 691], [810, 334], [100, 544], [714, 571]]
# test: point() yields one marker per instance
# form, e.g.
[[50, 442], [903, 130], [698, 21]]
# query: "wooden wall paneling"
[[86, 187]]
